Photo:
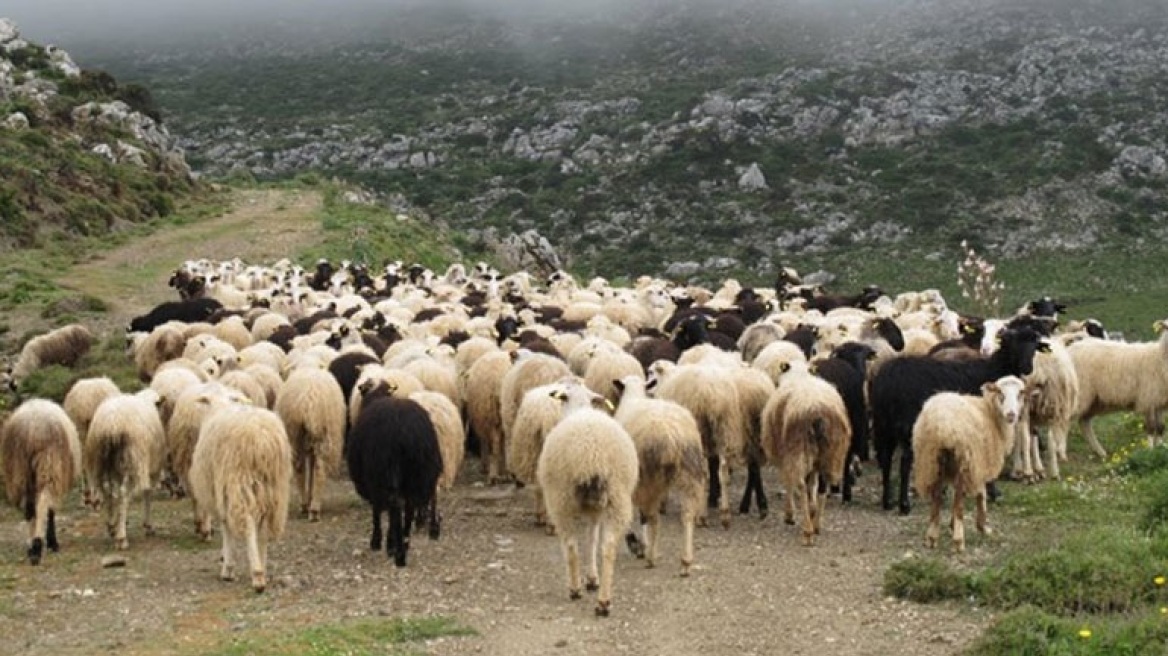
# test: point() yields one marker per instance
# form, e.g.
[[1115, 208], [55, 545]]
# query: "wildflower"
[[1159, 580], [1084, 633]]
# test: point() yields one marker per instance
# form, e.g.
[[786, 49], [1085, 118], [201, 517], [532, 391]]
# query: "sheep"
[[250, 387], [846, 371], [484, 380], [588, 468], [83, 398], [394, 462], [539, 412], [451, 434], [170, 383], [962, 440], [902, 385], [40, 458], [754, 390], [265, 353], [1121, 376], [269, 381], [402, 383], [775, 355], [607, 367], [758, 336], [232, 331], [529, 370], [188, 311], [312, 407], [437, 376], [669, 454], [1055, 398], [164, 343], [806, 433], [191, 411], [711, 395], [63, 346], [124, 455], [240, 472]]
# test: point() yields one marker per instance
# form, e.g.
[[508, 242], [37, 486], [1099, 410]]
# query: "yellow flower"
[[1159, 580], [1164, 610], [1084, 633]]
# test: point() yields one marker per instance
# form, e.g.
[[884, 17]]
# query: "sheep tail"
[[818, 431], [590, 495], [947, 464]]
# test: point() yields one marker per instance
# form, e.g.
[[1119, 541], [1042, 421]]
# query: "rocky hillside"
[[686, 137], [80, 153]]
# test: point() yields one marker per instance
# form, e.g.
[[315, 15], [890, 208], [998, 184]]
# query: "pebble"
[[560, 643]]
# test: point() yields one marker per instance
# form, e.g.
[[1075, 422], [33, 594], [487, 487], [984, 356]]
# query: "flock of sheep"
[[607, 399]]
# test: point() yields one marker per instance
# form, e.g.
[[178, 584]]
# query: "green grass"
[[375, 235], [1086, 552], [356, 638]]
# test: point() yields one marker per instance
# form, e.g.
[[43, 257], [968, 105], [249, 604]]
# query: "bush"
[[1102, 570], [1029, 631], [1155, 516], [925, 580]]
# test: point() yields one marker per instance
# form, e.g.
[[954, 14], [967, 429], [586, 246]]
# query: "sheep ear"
[[619, 385], [813, 367], [785, 367], [651, 384], [1043, 346], [989, 388]]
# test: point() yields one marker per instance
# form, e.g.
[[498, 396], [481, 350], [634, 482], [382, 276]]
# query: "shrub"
[[925, 580]]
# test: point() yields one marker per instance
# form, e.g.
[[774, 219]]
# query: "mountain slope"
[[80, 154], [696, 138]]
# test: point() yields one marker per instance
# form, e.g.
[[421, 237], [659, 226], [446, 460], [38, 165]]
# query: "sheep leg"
[[202, 526], [1056, 444], [608, 556], [715, 491], [849, 477], [688, 518], [789, 507], [979, 517], [147, 526], [936, 499], [724, 493], [301, 476], [38, 524], [753, 486], [591, 582], [1089, 433], [435, 518], [396, 547], [227, 566], [803, 493], [541, 512], [906, 462], [652, 534], [120, 540], [1022, 468], [51, 535], [571, 547], [315, 481], [1154, 426], [254, 557], [819, 502], [959, 518], [884, 459], [375, 538], [633, 541]]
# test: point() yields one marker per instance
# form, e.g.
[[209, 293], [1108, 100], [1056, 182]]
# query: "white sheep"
[[63, 346], [669, 453], [312, 407], [191, 410], [529, 370], [40, 459], [711, 395], [806, 433], [1122, 376], [588, 470], [124, 455], [240, 471], [962, 440], [539, 412], [484, 380]]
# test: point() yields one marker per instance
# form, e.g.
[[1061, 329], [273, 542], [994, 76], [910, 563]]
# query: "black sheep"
[[846, 371], [394, 462], [346, 368], [647, 350], [902, 385], [190, 311]]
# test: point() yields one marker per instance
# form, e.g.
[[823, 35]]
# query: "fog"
[[64, 21]]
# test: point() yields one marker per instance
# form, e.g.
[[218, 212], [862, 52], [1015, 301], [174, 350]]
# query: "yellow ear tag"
[[608, 404]]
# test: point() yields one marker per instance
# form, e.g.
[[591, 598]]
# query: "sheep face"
[[1008, 394]]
